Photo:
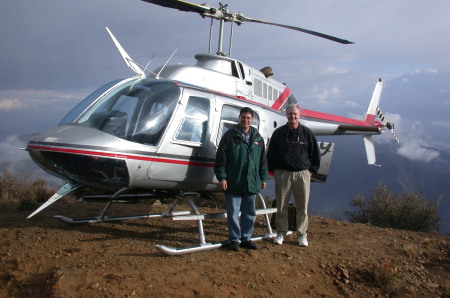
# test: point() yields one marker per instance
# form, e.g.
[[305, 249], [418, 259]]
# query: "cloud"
[[324, 95], [415, 143], [414, 149], [351, 104], [10, 104], [19, 161], [10, 151], [422, 71], [29, 111], [37, 99], [443, 124]]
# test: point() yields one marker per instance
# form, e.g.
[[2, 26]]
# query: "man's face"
[[245, 120], [293, 115]]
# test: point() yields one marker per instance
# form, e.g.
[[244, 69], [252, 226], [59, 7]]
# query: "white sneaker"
[[279, 239], [302, 241]]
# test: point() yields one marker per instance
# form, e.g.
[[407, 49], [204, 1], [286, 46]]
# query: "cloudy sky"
[[55, 52]]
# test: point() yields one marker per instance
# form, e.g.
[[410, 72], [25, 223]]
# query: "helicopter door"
[[186, 144]]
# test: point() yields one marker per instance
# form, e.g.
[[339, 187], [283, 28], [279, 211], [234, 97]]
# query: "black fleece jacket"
[[293, 150]]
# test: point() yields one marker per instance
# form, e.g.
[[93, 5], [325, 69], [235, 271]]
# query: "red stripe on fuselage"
[[333, 118], [121, 156]]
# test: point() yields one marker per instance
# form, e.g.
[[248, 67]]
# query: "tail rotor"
[[387, 124]]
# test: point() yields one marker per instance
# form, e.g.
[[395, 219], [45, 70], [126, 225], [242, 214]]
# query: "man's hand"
[[223, 185], [263, 185]]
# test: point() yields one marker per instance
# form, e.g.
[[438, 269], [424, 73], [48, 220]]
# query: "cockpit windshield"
[[137, 110]]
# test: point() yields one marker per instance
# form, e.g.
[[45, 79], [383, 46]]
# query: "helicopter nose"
[[95, 171]]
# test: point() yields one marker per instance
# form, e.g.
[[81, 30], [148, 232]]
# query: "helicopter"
[[160, 129]]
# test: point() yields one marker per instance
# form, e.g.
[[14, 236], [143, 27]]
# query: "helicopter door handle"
[[249, 83]]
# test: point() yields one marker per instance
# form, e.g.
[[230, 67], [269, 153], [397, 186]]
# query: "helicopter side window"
[[264, 90], [230, 117], [257, 87], [276, 94], [195, 121], [269, 93]]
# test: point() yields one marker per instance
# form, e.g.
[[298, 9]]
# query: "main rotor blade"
[[181, 5], [224, 14], [329, 37]]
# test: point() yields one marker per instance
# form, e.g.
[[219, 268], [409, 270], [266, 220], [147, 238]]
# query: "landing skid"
[[179, 251], [207, 246], [176, 215]]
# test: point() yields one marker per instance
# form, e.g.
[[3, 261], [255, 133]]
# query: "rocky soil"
[[42, 257]]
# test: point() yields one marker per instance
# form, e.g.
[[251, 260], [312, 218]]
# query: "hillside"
[[43, 257], [350, 176]]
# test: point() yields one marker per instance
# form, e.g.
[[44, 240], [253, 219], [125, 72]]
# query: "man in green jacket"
[[241, 169]]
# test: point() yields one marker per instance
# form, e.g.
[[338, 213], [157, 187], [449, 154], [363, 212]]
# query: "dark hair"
[[246, 110]]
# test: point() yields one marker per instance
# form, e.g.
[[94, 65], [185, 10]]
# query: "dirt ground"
[[43, 257]]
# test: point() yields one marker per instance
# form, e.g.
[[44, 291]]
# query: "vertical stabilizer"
[[370, 117], [374, 102]]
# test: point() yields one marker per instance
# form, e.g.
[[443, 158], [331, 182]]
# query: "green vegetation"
[[408, 211]]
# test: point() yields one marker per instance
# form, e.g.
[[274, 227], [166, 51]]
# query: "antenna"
[[162, 68], [146, 67], [130, 63]]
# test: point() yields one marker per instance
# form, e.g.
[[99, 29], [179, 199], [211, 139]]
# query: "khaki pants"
[[287, 182]]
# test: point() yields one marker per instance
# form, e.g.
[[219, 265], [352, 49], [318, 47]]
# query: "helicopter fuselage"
[[152, 133]]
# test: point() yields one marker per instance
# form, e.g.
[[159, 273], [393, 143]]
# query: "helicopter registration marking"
[[51, 140]]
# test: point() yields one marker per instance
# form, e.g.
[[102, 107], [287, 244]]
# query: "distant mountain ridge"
[[350, 175]]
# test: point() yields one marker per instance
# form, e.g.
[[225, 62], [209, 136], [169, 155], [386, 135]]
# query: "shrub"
[[409, 211], [384, 276], [19, 190]]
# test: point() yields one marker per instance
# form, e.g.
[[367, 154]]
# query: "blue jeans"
[[244, 203]]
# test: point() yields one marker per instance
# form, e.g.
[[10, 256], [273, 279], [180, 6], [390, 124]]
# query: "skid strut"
[[200, 217]]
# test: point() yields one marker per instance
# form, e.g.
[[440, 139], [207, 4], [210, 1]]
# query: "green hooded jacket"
[[243, 167]]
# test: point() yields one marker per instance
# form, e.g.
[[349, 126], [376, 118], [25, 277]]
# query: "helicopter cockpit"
[[137, 110]]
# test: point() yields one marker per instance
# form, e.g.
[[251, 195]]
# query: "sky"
[[55, 52]]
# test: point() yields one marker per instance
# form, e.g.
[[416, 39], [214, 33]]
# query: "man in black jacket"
[[292, 156]]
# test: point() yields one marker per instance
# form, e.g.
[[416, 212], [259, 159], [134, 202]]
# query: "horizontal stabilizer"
[[359, 128]]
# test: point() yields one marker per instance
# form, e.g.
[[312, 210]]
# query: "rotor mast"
[[222, 14]]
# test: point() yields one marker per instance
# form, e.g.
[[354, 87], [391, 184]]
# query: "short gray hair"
[[293, 105]]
